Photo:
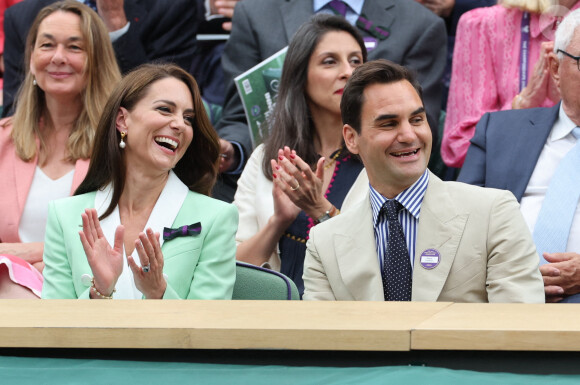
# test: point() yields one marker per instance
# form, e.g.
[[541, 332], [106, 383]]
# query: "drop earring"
[[122, 142], [33, 81]]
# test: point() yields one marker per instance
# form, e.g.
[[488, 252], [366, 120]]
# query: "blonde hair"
[[102, 74], [534, 6]]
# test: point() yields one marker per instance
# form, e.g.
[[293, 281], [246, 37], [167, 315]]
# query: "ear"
[[554, 65], [32, 67], [350, 138], [121, 120]]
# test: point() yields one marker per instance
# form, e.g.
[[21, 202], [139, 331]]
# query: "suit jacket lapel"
[[532, 136], [168, 205], [440, 228], [356, 253], [293, 14], [23, 175], [81, 168], [379, 12]]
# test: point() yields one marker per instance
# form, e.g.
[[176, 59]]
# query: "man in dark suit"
[[525, 151], [141, 30], [415, 38]]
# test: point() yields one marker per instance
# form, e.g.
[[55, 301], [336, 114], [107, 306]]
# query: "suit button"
[[86, 280]]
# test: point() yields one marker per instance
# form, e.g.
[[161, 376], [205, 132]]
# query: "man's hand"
[[229, 160], [561, 275], [224, 8], [112, 13]]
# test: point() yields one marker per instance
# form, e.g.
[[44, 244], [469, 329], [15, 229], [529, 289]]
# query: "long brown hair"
[[291, 123], [197, 168], [102, 73]]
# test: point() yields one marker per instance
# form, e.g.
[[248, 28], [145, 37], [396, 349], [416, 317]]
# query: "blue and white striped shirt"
[[411, 199]]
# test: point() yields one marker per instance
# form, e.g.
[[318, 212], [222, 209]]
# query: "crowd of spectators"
[[494, 86]]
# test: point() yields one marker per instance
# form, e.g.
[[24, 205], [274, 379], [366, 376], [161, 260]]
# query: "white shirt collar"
[[563, 125]]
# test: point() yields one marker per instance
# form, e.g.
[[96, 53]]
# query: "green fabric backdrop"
[[34, 371]]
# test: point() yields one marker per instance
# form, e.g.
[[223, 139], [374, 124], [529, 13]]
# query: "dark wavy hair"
[[291, 122], [197, 168]]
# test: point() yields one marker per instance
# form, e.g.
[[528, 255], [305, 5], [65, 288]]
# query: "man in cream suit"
[[467, 244]]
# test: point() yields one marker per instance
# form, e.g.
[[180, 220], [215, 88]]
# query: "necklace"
[[333, 159]]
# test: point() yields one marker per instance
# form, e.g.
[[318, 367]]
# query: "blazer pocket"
[[180, 269], [181, 245]]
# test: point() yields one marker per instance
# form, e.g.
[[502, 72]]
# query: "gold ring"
[[295, 188]]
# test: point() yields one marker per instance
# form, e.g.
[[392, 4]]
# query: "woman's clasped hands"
[[301, 187], [106, 262]]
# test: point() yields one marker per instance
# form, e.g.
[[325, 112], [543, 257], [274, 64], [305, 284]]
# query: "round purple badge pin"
[[430, 258]]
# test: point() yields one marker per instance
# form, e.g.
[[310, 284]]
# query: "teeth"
[[405, 153], [171, 143]]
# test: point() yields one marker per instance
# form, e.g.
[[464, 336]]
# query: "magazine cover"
[[258, 89]]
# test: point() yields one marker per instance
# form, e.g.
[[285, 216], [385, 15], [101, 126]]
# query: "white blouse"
[[42, 190]]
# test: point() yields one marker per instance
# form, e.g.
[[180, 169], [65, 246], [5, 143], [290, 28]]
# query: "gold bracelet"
[[98, 293]]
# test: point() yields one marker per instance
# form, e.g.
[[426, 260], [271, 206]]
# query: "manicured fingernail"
[[281, 157], [277, 167], [292, 156], [274, 176]]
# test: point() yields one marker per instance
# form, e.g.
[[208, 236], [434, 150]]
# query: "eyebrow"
[[334, 53], [173, 104], [418, 111], [72, 38]]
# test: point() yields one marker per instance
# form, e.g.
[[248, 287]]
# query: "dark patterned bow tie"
[[183, 231]]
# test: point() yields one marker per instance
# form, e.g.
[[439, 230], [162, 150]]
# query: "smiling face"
[[159, 127], [330, 65], [58, 59], [395, 139]]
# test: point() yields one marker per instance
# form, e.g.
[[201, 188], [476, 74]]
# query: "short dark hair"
[[374, 72]]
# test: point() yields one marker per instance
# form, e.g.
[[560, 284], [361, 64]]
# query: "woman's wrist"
[[95, 293], [320, 210], [157, 294]]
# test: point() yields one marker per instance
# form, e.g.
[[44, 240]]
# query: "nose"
[[178, 123], [59, 56], [406, 133], [346, 70]]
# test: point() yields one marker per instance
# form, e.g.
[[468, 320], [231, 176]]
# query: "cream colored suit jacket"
[[487, 252]]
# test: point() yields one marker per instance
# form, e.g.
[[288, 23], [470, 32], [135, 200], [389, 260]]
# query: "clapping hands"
[[302, 186], [106, 262]]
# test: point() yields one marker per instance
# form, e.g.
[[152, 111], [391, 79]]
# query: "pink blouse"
[[486, 70]]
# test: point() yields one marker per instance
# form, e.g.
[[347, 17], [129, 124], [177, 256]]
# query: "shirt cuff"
[[240, 168], [115, 35]]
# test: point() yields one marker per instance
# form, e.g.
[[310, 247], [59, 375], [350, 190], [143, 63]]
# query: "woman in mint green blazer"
[[141, 224]]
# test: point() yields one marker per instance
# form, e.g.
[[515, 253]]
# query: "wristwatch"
[[328, 214], [325, 216]]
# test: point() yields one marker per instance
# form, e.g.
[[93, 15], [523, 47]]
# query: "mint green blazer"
[[195, 267]]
